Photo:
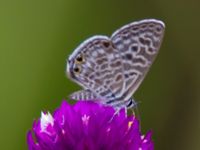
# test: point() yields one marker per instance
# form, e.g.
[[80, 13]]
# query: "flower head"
[[87, 126]]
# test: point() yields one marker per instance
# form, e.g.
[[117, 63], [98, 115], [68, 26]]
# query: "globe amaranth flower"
[[87, 126]]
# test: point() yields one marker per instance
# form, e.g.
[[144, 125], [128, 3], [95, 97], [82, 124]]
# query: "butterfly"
[[110, 69]]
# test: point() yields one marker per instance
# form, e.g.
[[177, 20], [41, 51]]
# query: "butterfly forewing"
[[138, 44]]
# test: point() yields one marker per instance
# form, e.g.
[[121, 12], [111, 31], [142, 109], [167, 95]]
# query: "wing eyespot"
[[79, 59], [77, 70]]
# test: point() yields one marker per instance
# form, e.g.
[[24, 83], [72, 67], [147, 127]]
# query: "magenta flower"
[[87, 126]]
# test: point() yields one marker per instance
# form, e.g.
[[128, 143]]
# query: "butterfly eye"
[[80, 59], [77, 70]]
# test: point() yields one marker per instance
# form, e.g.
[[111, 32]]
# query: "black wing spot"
[[150, 50], [145, 41], [144, 26], [129, 56], [80, 59], [126, 75], [151, 25], [142, 40], [106, 44], [158, 29], [135, 28], [134, 48], [76, 69]]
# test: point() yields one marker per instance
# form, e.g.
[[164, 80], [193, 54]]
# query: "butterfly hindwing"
[[101, 71]]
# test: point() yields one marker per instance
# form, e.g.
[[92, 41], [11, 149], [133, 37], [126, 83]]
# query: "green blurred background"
[[36, 37]]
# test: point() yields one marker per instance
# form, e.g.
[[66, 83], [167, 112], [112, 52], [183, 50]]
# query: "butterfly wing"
[[83, 95], [114, 67], [102, 70], [138, 43]]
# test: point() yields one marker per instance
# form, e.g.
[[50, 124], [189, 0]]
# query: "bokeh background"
[[36, 37]]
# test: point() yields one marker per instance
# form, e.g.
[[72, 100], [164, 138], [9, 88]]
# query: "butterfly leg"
[[117, 110], [134, 107]]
